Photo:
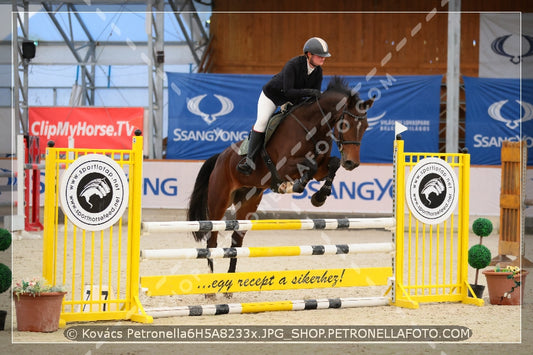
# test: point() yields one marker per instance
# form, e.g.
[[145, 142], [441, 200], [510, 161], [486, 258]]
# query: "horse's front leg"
[[307, 171], [321, 195], [300, 184]]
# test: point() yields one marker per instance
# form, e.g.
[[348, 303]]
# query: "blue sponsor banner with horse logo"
[[497, 110], [209, 112]]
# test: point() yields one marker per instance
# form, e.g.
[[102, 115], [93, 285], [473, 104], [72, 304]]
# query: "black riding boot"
[[247, 165]]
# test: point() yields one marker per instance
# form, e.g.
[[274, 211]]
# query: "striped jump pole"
[[255, 307], [254, 252], [268, 224]]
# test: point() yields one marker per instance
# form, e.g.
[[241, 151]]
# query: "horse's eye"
[[343, 126]]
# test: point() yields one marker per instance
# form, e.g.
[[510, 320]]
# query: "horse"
[[300, 146]]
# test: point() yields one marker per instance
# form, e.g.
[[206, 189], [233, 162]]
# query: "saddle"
[[272, 125]]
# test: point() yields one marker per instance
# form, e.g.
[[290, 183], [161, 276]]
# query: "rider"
[[301, 77]]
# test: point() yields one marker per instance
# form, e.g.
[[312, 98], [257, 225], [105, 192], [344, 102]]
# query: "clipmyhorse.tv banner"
[[497, 110], [208, 112], [91, 127]]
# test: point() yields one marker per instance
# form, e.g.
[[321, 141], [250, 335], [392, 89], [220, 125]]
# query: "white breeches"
[[265, 109]]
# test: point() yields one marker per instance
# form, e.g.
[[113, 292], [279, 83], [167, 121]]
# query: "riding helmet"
[[317, 46]]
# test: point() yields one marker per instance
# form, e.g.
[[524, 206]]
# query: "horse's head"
[[348, 114], [349, 130]]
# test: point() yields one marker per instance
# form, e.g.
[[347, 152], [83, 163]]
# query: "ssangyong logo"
[[498, 47], [193, 105], [94, 192], [432, 191], [495, 113]]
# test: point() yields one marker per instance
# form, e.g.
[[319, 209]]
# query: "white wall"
[[367, 190]]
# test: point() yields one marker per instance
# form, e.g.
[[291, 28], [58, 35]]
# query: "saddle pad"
[[273, 123]]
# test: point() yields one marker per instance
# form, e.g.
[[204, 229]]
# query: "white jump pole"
[[245, 252], [280, 224]]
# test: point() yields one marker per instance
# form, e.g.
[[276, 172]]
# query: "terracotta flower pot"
[[499, 284], [40, 313]]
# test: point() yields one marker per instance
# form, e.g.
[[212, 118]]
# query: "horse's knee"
[[333, 165]]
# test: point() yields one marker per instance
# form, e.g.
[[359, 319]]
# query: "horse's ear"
[[368, 103]]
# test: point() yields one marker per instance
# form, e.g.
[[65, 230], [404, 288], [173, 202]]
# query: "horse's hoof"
[[228, 295], [317, 202], [210, 296], [298, 187]]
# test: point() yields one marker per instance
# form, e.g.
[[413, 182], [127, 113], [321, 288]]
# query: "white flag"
[[399, 128], [504, 47]]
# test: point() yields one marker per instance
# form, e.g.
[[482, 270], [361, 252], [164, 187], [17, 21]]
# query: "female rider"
[[300, 78]]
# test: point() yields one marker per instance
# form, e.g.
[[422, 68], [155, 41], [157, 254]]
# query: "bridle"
[[340, 141]]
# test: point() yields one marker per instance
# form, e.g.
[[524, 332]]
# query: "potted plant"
[[37, 305], [479, 256], [505, 285], [5, 272]]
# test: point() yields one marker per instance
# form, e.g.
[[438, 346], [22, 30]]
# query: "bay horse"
[[300, 148]]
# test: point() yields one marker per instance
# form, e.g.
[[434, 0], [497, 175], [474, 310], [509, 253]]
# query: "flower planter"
[[478, 290], [499, 284], [38, 313], [3, 315]]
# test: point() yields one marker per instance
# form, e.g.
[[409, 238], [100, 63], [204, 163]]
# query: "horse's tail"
[[198, 201]]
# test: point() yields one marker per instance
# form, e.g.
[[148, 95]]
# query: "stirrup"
[[243, 167]]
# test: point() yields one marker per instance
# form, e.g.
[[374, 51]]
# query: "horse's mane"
[[340, 85]]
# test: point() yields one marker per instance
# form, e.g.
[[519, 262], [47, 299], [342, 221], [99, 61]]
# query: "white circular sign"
[[94, 192], [432, 190]]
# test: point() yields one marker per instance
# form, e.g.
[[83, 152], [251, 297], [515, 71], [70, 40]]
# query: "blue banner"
[[208, 112], [497, 110], [413, 101]]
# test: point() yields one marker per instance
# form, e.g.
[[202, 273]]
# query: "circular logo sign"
[[94, 192], [432, 190]]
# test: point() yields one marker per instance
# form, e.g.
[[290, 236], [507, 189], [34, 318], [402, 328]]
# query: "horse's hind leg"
[[246, 203], [211, 243], [236, 242], [219, 195]]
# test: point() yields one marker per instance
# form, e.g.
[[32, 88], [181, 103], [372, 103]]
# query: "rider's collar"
[[310, 68]]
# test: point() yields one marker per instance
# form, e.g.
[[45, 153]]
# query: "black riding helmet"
[[317, 46]]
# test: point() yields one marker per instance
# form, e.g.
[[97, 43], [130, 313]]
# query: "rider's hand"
[[312, 92]]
